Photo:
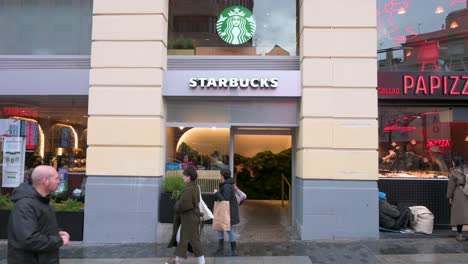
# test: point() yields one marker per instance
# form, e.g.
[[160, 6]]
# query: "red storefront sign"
[[403, 85]]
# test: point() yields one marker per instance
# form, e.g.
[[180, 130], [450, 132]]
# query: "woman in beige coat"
[[457, 198]]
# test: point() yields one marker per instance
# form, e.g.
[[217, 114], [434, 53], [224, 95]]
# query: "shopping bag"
[[177, 237], [222, 216], [240, 195], [207, 214]]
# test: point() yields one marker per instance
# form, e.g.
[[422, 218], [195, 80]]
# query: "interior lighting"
[[454, 24], [399, 128], [439, 10], [75, 135], [466, 139], [401, 11], [213, 128], [41, 133], [181, 128]]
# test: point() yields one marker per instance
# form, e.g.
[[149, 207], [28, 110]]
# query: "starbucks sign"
[[236, 25]]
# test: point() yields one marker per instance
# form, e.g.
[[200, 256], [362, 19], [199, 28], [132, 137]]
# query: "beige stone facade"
[[338, 118], [126, 116]]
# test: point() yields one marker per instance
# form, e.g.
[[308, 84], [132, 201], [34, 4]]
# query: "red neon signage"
[[435, 84], [19, 111], [439, 142]]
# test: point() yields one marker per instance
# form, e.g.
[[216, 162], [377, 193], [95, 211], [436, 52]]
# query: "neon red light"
[[457, 1], [439, 142], [18, 111], [399, 128], [392, 8], [429, 113]]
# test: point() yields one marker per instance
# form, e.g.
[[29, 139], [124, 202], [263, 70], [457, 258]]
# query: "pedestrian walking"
[[188, 214], [33, 234], [457, 198], [226, 193]]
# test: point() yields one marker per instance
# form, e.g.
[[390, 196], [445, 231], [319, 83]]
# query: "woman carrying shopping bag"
[[226, 193], [187, 210]]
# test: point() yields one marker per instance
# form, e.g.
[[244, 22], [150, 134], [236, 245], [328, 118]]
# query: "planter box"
[[4, 216], [72, 222], [166, 206]]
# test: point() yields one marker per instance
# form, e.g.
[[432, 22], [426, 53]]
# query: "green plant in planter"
[[68, 205], [5, 202], [174, 185]]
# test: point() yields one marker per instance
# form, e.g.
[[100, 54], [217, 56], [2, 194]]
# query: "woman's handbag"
[[207, 214], [222, 216], [240, 195]]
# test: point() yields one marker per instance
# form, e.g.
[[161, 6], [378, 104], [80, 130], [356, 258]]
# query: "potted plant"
[[172, 187], [70, 217]]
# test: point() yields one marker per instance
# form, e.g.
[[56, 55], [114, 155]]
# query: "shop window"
[[423, 36], [44, 130], [421, 141], [207, 149], [270, 31]]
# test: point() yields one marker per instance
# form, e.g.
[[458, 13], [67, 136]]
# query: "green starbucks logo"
[[236, 25]]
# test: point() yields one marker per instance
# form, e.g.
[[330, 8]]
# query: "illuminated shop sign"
[[236, 25], [18, 111], [233, 83], [401, 85]]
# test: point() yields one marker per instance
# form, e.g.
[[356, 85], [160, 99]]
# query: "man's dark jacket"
[[32, 230]]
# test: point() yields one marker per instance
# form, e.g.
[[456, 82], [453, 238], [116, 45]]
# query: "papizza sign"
[[236, 25], [422, 85]]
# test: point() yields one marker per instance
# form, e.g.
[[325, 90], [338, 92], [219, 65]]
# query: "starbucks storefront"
[[228, 69]]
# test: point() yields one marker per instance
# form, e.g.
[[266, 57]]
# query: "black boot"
[[234, 248], [220, 250]]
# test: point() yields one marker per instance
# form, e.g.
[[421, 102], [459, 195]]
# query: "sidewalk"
[[388, 249]]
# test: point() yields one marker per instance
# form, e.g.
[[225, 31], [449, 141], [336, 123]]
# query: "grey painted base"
[[121, 209], [327, 209]]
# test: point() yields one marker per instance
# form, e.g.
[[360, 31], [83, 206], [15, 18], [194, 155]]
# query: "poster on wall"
[[63, 184], [14, 149]]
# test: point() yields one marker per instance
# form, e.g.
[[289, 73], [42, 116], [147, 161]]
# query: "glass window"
[[422, 35], [49, 130], [237, 27], [45, 27], [207, 149], [421, 141]]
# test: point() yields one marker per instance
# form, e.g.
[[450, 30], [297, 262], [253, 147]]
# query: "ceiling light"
[[181, 128], [439, 10], [401, 11], [454, 24]]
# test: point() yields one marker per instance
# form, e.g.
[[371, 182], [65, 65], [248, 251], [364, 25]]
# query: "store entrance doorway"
[[262, 168]]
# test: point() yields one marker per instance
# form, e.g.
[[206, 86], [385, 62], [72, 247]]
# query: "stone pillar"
[[337, 159], [126, 120]]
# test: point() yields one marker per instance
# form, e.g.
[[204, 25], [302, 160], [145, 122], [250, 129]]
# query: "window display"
[[49, 130], [421, 141]]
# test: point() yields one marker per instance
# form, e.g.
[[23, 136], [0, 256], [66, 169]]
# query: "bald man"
[[33, 234]]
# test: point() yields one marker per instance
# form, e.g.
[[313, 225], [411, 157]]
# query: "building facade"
[[336, 137], [118, 92]]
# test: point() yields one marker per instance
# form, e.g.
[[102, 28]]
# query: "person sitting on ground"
[[390, 217]]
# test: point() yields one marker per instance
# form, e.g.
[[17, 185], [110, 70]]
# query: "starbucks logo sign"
[[236, 25]]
